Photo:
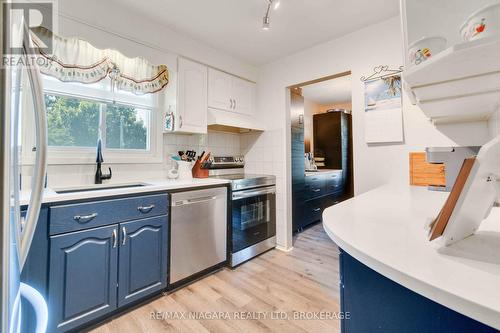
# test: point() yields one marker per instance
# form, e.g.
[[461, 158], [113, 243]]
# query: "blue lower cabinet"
[[142, 258], [83, 276], [375, 303]]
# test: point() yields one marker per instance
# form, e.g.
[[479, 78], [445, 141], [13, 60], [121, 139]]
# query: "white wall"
[[494, 124], [358, 52]]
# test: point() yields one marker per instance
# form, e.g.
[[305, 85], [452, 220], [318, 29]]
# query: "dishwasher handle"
[[193, 201]]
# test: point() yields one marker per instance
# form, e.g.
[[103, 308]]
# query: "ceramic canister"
[[424, 48], [184, 170], [484, 22]]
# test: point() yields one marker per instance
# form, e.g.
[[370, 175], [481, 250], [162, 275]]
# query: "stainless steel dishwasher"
[[198, 231]]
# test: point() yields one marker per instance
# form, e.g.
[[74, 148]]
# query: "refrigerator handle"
[[40, 165], [38, 303]]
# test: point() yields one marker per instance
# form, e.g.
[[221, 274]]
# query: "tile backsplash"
[[217, 143], [74, 175]]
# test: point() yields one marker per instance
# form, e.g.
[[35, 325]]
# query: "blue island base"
[[375, 303]]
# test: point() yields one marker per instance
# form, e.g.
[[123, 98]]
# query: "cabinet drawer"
[[315, 191], [316, 179], [67, 218], [334, 182], [332, 199], [315, 186], [312, 211]]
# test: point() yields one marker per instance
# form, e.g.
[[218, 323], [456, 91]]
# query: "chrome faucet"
[[99, 176]]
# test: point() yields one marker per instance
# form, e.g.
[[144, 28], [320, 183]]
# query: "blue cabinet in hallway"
[[142, 258], [83, 276]]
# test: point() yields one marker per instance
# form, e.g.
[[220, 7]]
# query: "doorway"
[[321, 147]]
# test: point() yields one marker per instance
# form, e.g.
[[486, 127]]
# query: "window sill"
[[88, 157]]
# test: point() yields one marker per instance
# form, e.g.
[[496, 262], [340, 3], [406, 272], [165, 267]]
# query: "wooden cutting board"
[[425, 174]]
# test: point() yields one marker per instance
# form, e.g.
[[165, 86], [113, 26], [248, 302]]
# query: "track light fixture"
[[267, 18]]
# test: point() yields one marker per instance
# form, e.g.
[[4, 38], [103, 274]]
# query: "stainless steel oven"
[[253, 207], [253, 217]]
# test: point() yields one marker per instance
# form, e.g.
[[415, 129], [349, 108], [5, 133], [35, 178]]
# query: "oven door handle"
[[253, 193]]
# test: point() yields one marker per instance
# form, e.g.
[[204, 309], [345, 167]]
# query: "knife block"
[[198, 171]]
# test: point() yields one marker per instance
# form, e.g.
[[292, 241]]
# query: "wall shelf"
[[460, 84]]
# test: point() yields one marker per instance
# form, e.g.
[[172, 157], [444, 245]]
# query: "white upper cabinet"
[[243, 93], [192, 97], [230, 93], [219, 90]]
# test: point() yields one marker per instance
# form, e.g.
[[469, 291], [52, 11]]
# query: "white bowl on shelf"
[[425, 48], [483, 23]]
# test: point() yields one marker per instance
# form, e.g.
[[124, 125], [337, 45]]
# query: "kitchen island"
[[394, 280]]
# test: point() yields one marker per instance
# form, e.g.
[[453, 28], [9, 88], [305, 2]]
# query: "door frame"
[[288, 203]]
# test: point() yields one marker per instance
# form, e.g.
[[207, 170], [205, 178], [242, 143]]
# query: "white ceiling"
[[329, 92], [234, 26]]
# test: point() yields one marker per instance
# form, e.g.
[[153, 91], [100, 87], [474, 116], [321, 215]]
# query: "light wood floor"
[[305, 279]]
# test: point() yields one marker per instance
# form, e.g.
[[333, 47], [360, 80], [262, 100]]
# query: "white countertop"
[[385, 230], [51, 196]]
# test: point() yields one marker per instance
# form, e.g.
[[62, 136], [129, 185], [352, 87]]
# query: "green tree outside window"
[[74, 122]]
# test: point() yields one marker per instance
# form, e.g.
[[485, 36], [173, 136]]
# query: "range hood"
[[227, 121]]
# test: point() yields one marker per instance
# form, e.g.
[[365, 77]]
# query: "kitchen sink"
[[98, 188]]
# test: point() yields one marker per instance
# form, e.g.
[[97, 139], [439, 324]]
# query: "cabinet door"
[[142, 259], [243, 93], [219, 90], [192, 105], [83, 276]]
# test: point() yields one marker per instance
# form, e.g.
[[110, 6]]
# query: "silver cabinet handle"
[[145, 209], [180, 121], [85, 218], [317, 190], [235, 104], [40, 166], [316, 209], [231, 103], [115, 239], [124, 235]]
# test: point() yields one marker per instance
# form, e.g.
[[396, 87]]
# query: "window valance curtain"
[[76, 60]]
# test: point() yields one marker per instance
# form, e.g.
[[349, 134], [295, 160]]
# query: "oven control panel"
[[228, 161]]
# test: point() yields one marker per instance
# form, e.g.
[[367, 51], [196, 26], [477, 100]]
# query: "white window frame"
[[87, 155]]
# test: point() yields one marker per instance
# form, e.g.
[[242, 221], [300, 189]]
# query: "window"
[[126, 127], [72, 122], [77, 122], [79, 114]]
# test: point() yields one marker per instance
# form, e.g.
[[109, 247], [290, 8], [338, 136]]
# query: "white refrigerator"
[[16, 233]]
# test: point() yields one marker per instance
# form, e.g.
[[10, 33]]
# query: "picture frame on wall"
[[383, 106]]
